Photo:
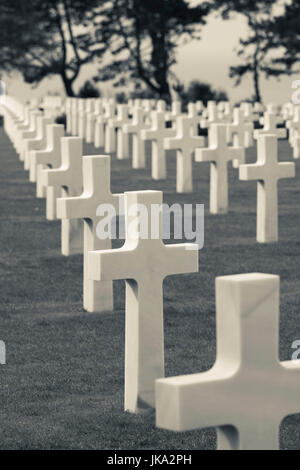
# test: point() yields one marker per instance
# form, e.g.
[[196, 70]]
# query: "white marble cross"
[[185, 143], [144, 262], [248, 111], [294, 126], [29, 134], [270, 127], [97, 295], [39, 142], [296, 148], [212, 116], [49, 158], [69, 109], [248, 392], [69, 177], [88, 108], [138, 145], [91, 119], [119, 142], [195, 118], [157, 134], [219, 154], [41, 156], [176, 110], [267, 171], [240, 130], [101, 123]]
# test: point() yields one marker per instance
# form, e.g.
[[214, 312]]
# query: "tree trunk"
[[257, 93], [68, 84]]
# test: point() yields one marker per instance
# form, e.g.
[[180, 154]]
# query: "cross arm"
[[172, 144], [287, 170], [149, 134], [181, 259], [192, 401], [251, 172], [73, 207], [57, 177], [205, 155], [107, 265]]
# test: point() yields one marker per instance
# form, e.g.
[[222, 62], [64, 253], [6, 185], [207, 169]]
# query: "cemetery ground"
[[62, 386]]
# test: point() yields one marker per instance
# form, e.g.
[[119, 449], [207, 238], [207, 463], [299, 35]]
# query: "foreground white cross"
[[185, 143], [248, 392], [157, 134], [144, 262], [267, 171], [97, 295], [219, 154], [68, 177]]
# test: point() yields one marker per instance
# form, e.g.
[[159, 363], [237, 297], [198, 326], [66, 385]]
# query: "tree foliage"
[[41, 38], [254, 49], [142, 37], [285, 36]]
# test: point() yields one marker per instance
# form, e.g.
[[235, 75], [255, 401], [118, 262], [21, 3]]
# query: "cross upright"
[[97, 295], [212, 116], [267, 171], [101, 123], [157, 134], [219, 154], [185, 143], [39, 143], [296, 148], [194, 116], [138, 145], [249, 391], [294, 126], [176, 109], [121, 118], [241, 130], [270, 127], [144, 261], [50, 158], [69, 178], [91, 119]]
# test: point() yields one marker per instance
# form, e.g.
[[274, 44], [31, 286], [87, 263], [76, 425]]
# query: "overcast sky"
[[206, 60]]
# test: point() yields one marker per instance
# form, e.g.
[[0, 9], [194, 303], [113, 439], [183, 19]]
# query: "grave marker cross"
[[267, 171], [97, 295], [185, 143], [144, 261], [157, 134], [248, 392], [68, 177], [219, 154]]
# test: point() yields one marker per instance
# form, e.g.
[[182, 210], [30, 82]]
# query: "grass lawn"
[[62, 386]]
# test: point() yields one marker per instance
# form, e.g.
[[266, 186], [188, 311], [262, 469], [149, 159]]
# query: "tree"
[[48, 37], [142, 37], [88, 90], [200, 91], [253, 50], [285, 35]]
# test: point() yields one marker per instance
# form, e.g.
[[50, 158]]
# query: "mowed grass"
[[62, 386]]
